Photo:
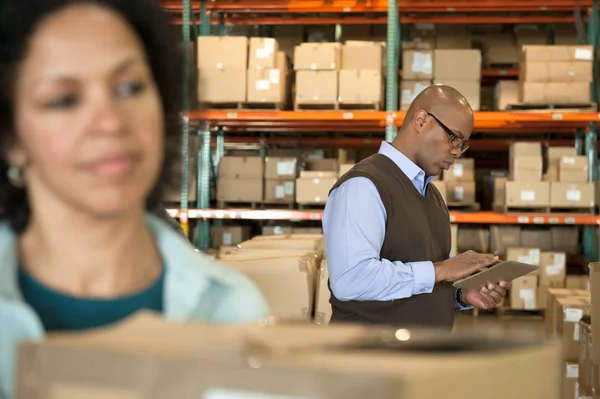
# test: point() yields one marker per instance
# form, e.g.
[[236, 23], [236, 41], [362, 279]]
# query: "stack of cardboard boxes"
[[280, 180], [240, 179], [316, 66], [568, 177], [460, 69], [458, 185], [417, 70], [361, 74], [525, 189], [267, 73], [316, 180], [555, 74]]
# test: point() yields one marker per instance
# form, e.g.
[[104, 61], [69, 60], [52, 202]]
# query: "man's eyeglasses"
[[455, 141]]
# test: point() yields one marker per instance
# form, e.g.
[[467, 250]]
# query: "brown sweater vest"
[[417, 229]]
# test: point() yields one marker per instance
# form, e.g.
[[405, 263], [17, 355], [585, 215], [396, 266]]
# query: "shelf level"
[[455, 217], [249, 120], [380, 6]]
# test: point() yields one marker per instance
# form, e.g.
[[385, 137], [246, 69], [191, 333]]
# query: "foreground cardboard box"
[[527, 194], [572, 195], [552, 316], [589, 373], [229, 235], [149, 358]]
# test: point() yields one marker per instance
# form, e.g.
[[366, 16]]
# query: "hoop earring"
[[16, 176]]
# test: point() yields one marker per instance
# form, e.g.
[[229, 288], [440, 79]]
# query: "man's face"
[[443, 138]]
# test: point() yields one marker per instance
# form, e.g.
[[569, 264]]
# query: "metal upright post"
[[393, 52], [185, 129]]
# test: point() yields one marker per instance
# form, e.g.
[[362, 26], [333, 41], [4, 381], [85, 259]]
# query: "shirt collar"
[[410, 169]]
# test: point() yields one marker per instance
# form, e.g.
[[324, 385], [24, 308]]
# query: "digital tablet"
[[503, 271]]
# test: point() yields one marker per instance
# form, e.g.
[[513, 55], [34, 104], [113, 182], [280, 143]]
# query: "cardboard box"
[[523, 294], [570, 310], [503, 237], [499, 192], [263, 53], [552, 71], [454, 239], [441, 187], [460, 192], [229, 236], [589, 374], [323, 165], [219, 86], [457, 65], [565, 239], [473, 238], [267, 86], [315, 87], [570, 381], [526, 168], [572, 195], [506, 93], [573, 169], [578, 283], [409, 90], [556, 153], [553, 53], [360, 86], [316, 174], [345, 168], [276, 230], [279, 191], [553, 316], [536, 238], [554, 93], [222, 52], [239, 189], [462, 170], [280, 167], [362, 55], [595, 293], [317, 57], [313, 191], [241, 167], [531, 256], [296, 361], [501, 53], [527, 194], [417, 64], [553, 269], [525, 149], [470, 89], [453, 39]]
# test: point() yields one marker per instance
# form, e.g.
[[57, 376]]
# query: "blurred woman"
[[87, 88]]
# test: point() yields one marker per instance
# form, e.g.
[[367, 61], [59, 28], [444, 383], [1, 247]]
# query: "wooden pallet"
[[556, 108], [572, 211], [311, 207], [512, 210], [224, 106], [264, 106], [476, 207], [360, 106], [316, 106], [236, 204]]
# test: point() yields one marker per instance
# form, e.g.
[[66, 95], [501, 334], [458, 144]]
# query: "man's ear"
[[420, 120]]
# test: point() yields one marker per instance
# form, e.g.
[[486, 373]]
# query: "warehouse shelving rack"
[[215, 125]]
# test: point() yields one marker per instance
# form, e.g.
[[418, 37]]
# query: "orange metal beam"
[[380, 6], [455, 217]]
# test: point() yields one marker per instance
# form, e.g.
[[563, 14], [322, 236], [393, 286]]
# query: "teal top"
[[61, 312]]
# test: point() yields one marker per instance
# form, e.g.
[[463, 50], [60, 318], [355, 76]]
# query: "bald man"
[[387, 229]]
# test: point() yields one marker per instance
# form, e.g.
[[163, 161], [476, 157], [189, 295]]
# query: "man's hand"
[[487, 297], [461, 266]]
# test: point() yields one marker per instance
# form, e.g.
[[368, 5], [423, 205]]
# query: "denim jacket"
[[196, 289]]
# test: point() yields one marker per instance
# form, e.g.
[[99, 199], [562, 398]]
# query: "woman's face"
[[88, 116]]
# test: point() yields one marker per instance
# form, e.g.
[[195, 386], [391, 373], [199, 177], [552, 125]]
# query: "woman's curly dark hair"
[[18, 22]]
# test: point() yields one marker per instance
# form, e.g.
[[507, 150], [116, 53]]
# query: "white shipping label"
[[528, 195], [269, 45], [286, 168], [235, 394], [263, 85], [262, 53], [569, 160], [313, 66], [227, 238], [576, 332], [583, 54], [278, 230], [528, 297], [274, 76], [553, 270], [573, 315], [289, 188], [422, 63], [524, 259], [534, 256], [560, 259], [573, 195], [572, 371], [459, 193], [458, 169], [407, 97], [279, 191]]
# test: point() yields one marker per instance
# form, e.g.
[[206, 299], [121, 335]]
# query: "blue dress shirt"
[[354, 227]]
